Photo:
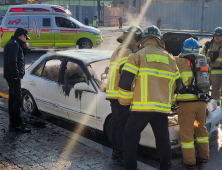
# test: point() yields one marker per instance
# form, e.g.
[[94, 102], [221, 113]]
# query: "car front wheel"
[[85, 44], [28, 104]]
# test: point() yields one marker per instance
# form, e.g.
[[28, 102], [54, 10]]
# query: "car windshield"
[[99, 71], [76, 21]]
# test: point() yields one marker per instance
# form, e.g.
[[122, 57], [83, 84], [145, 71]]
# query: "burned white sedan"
[[71, 84]]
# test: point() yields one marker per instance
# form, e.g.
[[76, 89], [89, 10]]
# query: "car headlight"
[[94, 32], [172, 121], [212, 104]]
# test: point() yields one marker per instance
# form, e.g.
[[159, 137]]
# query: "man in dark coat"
[[120, 23], [86, 21], [14, 70], [159, 22]]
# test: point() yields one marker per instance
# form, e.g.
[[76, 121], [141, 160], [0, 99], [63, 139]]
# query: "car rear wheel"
[[85, 44], [109, 130], [29, 105]]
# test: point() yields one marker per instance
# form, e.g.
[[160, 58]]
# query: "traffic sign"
[[39, 2], [31, 0], [207, 1]]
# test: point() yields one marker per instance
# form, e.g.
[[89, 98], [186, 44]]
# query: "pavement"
[[51, 147]]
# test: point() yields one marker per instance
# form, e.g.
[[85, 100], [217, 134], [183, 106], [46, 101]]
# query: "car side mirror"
[[83, 86]]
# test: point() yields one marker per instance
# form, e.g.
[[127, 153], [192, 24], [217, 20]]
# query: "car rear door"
[[65, 32], [43, 85], [41, 31]]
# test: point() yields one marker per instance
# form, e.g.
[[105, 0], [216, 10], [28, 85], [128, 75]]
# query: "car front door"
[[89, 107], [43, 85], [76, 105], [65, 32]]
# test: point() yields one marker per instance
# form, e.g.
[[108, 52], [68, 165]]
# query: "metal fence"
[[174, 15], [77, 2], [185, 15]]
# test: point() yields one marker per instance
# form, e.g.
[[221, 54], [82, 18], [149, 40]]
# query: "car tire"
[[29, 105], [85, 44], [109, 130]]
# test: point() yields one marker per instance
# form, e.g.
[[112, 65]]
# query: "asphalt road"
[[146, 155]]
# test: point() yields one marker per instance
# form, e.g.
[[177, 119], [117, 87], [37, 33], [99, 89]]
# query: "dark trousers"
[[135, 125], [120, 115], [15, 101], [120, 25]]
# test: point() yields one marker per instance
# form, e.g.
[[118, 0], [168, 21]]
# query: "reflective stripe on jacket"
[[148, 79], [186, 74], [118, 58]]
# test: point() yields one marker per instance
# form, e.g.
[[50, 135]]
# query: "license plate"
[[208, 126]]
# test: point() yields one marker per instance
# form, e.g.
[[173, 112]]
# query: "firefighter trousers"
[[192, 118], [135, 125], [120, 115], [216, 82]]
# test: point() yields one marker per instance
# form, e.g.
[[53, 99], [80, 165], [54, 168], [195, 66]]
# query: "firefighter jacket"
[[148, 78], [118, 59], [216, 66], [186, 75]]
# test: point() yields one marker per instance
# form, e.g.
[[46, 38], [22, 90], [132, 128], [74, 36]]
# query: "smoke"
[[142, 20], [147, 22], [139, 20], [51, 51], [128, 19]]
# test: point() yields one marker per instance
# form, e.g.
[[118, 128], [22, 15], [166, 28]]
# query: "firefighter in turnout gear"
[[120, 113], [192, 110], [213, 51], [147, 84]]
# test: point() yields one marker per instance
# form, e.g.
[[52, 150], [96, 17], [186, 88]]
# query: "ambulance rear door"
[[16, 21], [10, 24], [42, 32], [65, 32]]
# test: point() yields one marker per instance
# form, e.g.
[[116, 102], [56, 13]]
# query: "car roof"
[[34, 5], [38, 6], [87, 55]]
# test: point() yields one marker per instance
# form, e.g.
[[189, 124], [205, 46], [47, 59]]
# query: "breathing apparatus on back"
[[198, 63]]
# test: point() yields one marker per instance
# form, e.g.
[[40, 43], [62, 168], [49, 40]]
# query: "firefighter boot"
[[188, 165]]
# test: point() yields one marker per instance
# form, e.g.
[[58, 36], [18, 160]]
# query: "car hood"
[[89, 28]]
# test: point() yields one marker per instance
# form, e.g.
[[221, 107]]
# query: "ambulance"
[[49, 26]]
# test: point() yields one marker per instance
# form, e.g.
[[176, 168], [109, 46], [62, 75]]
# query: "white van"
[[48, 26]]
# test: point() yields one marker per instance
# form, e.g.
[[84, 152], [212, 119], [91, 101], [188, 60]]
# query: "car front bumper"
[[213, 119], [212, 124], [174, 132]]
